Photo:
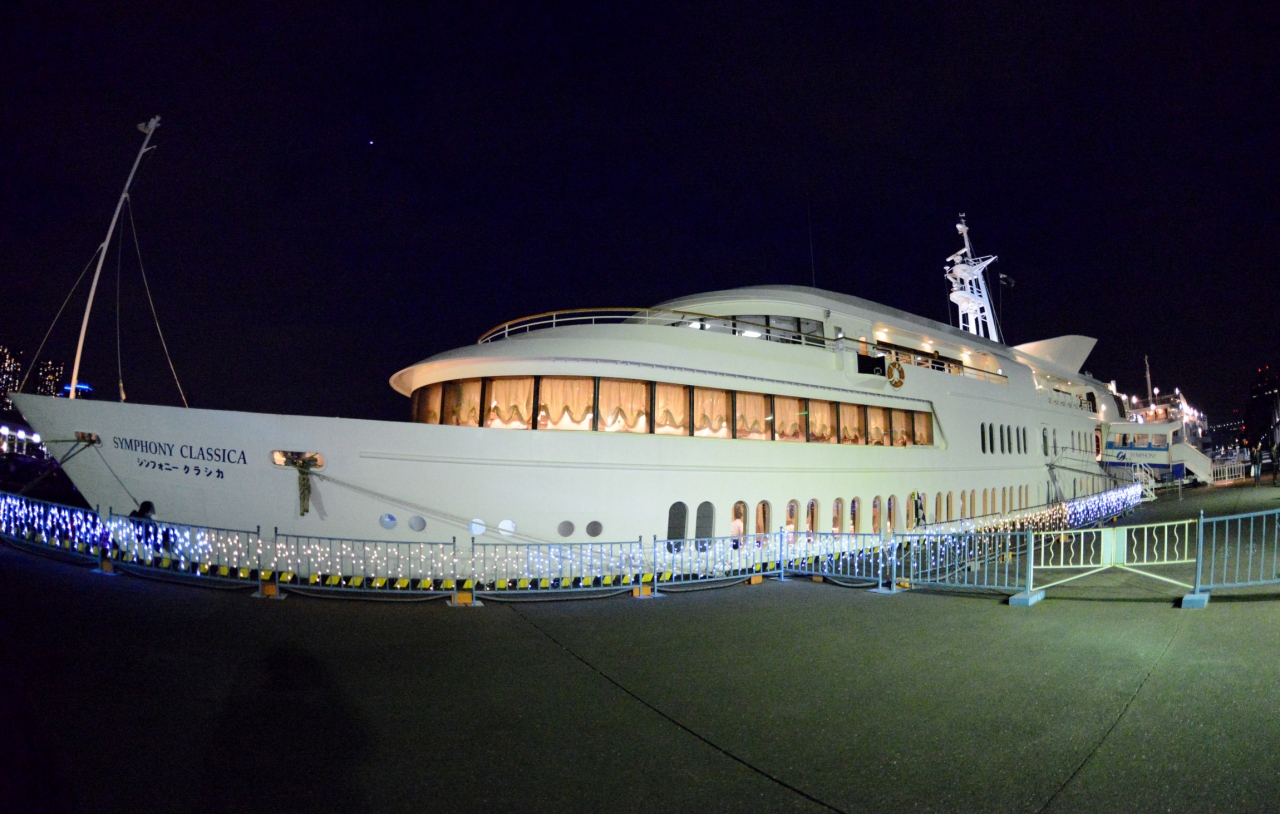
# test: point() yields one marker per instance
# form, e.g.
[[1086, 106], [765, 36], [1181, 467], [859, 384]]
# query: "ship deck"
[[790, 696]]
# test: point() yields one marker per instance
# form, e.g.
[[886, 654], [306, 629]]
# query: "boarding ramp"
[[1194, 461]]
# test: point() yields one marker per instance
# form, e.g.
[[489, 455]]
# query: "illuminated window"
[[875, 515], [923, 428], [878, 426], [790, 419], [753, 417], [822, 422], [937, 509], [426, 403], [853, 424], [671, 409], [855, 516], [510, 403], [310, 460], [793, 517], [950, 512], [566, 402], [461, 403], [903, 433], [811, 517], [710, 413], [912, 515], [891, 513], [764, 518], [837, 516], [624, 406], [985, 507], [1141, 441], [738, 524]]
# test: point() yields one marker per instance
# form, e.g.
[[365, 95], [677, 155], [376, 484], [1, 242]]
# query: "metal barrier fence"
[[1224, 473], [1218, 553]]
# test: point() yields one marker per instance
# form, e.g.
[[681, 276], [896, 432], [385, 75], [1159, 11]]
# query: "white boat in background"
[[731, 412]]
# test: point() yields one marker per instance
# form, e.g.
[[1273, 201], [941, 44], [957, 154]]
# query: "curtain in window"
[[878, 426], [924, 428], [789, 419], [753, 417], [902, 432], [426, 404], [510, 403], [624, 406], [565, 402], [853, 424], [837, 516], [671, 409], [762, 517], [461, 403], [710, 413], [822, 422]]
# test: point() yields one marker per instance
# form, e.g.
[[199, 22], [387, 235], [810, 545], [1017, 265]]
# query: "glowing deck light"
[[751, 334]]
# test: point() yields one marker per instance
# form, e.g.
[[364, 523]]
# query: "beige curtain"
[[461, 403], [624, 406], [822, 422], [924, 428], [789, 419], [853, 424], [671, 409], [426, 403], [510, 403], [878, 426], [710, 412], [753, 417], [902, 432], [565, 402]]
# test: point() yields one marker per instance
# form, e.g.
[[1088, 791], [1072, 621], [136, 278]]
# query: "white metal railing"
[[1225, 473]]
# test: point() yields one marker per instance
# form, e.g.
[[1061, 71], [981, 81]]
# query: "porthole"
[[387, 521], [565, 528], [507, 528], [417, 523], [477, 527], [594, 528]]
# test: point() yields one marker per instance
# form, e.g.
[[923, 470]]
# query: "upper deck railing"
[[731, 326]]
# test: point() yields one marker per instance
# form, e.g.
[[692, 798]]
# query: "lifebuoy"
[[896, 374]]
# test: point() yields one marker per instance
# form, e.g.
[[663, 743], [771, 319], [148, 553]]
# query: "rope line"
[[129, 201], [119, 354], [683, 727], [40, 349]]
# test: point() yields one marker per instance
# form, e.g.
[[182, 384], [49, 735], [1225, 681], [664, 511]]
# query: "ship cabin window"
[[1160, 440], [624, 406], [764, 518], [711, 413], [754, 417], [923, 428], [1044, 441], [837, 516], [460, 403], [903, 432], [308, 460], [704, 524], [853, 424], [671, 409], [855, 516], [677, 521], [1002, 440], [822, 422], [891, 513], [937, 509], [878, 426], [982, 431], [811, 517], [566, 403], [790, 419], [792, 520], [1055, 441], [1024, 440], [950, 509], [738, 524], [1141, 441], [510, 403], [991, 438], [876, 526], [426, 403]]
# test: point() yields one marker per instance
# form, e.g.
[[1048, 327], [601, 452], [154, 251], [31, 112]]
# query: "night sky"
[[339, 192]]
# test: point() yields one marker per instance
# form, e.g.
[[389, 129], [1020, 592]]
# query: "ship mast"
[[148, 128], [969, 288]]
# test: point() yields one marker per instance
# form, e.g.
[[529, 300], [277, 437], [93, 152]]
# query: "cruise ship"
[[751, 410]]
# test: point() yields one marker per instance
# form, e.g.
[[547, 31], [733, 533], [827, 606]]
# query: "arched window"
[[911, 510], [1003, 432], [950, 513], [1044, 440], [738, 524], [876, 519], [855, 516], [991, 438], [937, 509], [1004, 500], [1055, 441], [811, 518], [792, 521], [982, 431], [677, 521], [764, 521], [891, 513], [985, 508], [837, 516], [704, 524]]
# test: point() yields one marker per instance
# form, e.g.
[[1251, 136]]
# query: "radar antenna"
[[969, 288]]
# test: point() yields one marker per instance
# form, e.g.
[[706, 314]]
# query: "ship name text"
[[191, 452]]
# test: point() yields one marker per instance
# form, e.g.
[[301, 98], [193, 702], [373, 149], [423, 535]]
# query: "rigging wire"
[[119, 356], [151, 302], [36, 358]]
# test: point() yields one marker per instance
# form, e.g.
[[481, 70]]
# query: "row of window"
[[886, 515], [657, 408], [1012, 439], [1140, 440]]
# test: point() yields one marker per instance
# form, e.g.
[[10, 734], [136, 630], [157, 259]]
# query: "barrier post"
[[782, 551], [1198, 598], [1030, 596]]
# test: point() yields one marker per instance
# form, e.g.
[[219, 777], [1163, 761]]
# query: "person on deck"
[[1257, 464]]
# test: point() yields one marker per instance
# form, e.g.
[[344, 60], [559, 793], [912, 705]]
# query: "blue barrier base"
[[1026, 599], [1195, 601]]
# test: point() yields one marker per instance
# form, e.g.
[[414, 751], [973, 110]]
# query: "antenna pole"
[[1146, 361], [148, 128]]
